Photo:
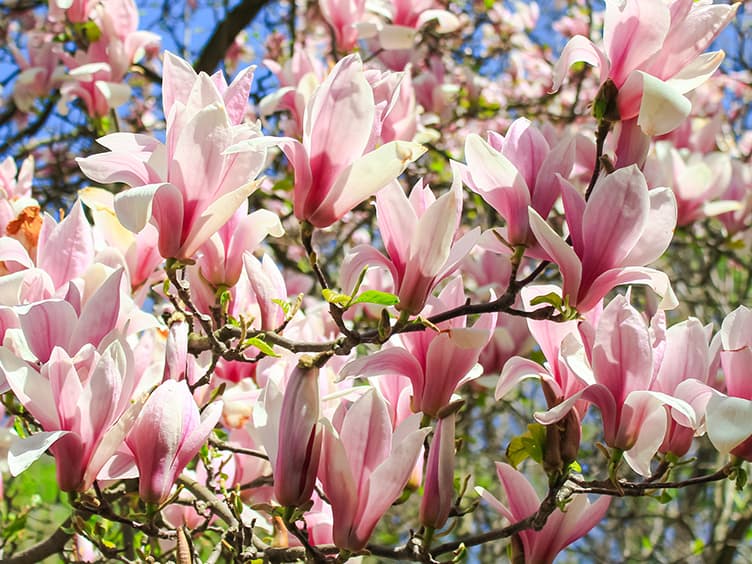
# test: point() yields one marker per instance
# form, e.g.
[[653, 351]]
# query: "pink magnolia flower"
[[365, 466], [438, 487], [652, 54], [419, 235], [221, 258], [298, 444], [189, 188], [622, 227], [697, 180], [40, 244], [136, 252], [436, 363], [336, 166], [84, 405], [342, 15], [96, 75], [728, 420], [618, 371], [40, 74], [683, 367], [518, 170], [562, 527], [298, 79], [167, 435]]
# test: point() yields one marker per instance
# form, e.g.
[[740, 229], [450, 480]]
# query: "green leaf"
[[528, 445], [286, 306], [336, 298], [552, 298], [376, 297], [261, 345], [224, 299], [741, 478]]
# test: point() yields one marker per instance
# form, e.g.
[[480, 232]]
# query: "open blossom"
[[652, 53], [37, 240], [189, 188], [562, 528], [365, 466], [95, 76], [518, 170], [622, 227], [83, 404], [697, 180], [336, 166], [436, 363], [617, 368], [420, 234]]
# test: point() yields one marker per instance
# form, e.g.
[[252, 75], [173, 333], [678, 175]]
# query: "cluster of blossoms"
[[168, 339]]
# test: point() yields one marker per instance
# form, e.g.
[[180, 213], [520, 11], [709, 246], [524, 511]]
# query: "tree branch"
[[224, 34], [49, 546]]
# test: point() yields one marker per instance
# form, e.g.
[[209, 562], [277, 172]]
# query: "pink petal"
[[46, 325], [66, 250], [388, 481], [577, 49], [633, 32], [338, 121], [561, 253], [515, 371], [99, 315], [363, 178], [367, 435], [521, 496], [396, 220], [654, 279], [613, 221], [236, 96], [30, 388]]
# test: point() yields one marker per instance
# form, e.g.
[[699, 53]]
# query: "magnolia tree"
[[440, 282]]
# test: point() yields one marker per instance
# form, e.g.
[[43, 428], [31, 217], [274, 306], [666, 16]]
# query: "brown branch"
[[43, 549], [733, 539], [224, 34], [536, 522], [637, 489]]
